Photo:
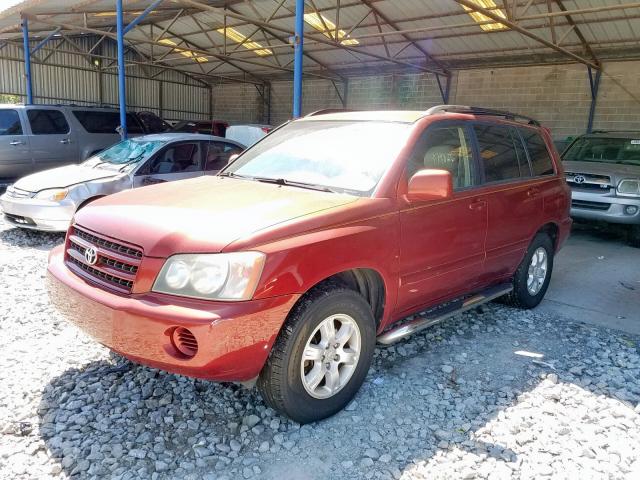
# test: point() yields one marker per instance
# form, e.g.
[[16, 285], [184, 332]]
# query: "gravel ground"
[[496, 393]]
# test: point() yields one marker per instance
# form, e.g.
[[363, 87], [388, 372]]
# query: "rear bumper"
[[37, 214], [234, 338], [586, 206]]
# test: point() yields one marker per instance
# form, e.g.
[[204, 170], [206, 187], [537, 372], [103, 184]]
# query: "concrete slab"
[[596, 279]]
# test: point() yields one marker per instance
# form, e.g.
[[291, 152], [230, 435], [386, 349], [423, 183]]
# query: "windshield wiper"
[[133, 160], [291, 183]]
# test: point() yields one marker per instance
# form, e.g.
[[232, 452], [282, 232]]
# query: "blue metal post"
[[27, 59], [297, 59], [142, 16], [121, 73], [595, 85]]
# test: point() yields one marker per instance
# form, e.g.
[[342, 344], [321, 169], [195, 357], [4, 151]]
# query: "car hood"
[[614, 170], [62, 177], [200, 215]]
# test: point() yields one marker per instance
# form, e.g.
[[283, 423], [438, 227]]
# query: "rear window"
[[47, 122], [541, 163], [499, 154], [98, 122], [10, 123]]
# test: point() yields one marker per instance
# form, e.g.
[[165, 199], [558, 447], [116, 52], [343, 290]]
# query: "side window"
[[98, 122], [181, 158], [218, 154], [446, 148], [541, 163], [525, 168], [47, 122], [10, 123], [498, 155]]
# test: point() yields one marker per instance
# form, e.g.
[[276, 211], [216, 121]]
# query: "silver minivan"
[[48, 200], [40, 137]]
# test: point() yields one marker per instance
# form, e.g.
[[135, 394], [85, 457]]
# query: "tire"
[[634, 236], [281, 381], [522, 295]]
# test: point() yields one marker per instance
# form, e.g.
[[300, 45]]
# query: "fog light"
[[184, 341], [630, 209]]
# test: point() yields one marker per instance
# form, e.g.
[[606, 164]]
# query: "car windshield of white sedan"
[[127, 152], [624, 151], [342, 156]]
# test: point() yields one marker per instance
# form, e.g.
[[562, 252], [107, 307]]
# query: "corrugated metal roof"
[[442, 29]]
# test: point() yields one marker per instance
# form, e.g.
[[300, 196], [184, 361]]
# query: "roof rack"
[[480, 111]]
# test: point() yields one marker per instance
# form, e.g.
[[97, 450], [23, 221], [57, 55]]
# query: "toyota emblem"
[[91, 256], [579, 179]]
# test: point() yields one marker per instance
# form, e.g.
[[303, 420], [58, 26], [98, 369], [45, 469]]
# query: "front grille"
[[114, 265], [588, 181], [586, 205], [18, 193]]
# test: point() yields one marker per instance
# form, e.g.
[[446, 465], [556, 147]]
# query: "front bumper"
[[37, 214], [234, 338], [592, 206]]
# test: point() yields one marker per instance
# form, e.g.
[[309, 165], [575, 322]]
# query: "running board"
[[406, 329]]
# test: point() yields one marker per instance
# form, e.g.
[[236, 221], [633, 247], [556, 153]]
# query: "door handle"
[[533, 191], [65, 141], [16, 142], [477, 205]]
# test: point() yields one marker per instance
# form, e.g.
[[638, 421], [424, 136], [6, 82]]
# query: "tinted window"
[[218, 154], [133, 125], [541, 163], [98, 122], [624, 151], [179, 158], [10, 123], [47, 122], [446, 148], [498, 154], [153, 123]]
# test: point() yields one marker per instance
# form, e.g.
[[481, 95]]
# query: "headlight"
[[630, 187], [52, 194], [216, 276]]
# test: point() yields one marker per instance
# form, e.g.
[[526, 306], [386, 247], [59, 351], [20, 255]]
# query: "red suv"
[[318, 241]]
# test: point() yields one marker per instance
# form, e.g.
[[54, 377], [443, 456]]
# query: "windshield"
[[605, 150], [127, 152], [344, 156]]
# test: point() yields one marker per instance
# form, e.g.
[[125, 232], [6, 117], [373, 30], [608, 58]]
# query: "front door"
[[52, 142], [15, 157], [177, 161], [442, 242], [217, 156]]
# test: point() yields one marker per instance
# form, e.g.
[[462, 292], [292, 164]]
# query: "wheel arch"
[[552, 230]]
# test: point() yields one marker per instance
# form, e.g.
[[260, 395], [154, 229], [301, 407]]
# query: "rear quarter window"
[[541, 162], [98, 122]]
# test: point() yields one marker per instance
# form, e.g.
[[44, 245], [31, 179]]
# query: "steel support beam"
[[122, 94], [45, 40], [142, 16], [594, 84], [515, 27], [297, 59], [27, 60], [446, 89]]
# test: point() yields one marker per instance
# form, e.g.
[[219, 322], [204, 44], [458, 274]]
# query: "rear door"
[[515, 200], [217, 155], [442, 242], [52, 141], [15, 157], [178, 161]]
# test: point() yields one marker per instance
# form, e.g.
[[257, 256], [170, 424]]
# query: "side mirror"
[[430, 184], [233, 157]]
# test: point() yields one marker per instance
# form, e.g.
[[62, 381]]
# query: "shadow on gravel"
[[19, 237], [425, 398]]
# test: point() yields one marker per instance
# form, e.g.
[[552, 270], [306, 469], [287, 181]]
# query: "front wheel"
[[532, 277], [321, 356]]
